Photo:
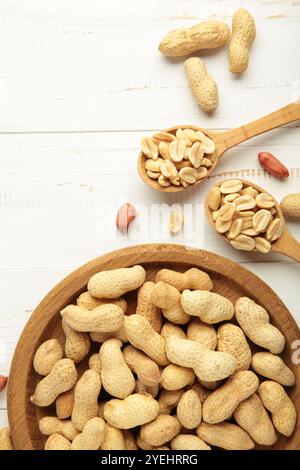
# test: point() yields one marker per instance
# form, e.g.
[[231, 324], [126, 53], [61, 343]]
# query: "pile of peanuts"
[[248, 219], [180, 159], [173, 373]]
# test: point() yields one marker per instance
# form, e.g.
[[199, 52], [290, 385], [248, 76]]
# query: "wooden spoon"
[[286, 245], [225, 140]]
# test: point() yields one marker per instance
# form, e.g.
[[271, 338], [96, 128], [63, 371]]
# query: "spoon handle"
[[278, 118], [287, 245]]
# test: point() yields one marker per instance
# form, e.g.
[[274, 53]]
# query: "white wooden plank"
[[3, 418], [89, 65], [3, 396], [23, 289]]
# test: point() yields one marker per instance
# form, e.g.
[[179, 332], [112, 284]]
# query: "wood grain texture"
[[230, 280], [287, 245]]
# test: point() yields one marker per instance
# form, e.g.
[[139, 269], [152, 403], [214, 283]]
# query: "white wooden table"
[[81, 81]]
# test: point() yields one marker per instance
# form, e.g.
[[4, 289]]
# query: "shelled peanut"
[[181, 159], [248, 218], [181, 371]]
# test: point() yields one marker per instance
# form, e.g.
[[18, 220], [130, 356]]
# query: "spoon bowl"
[[224, 140], [286, 243], [214, 157]]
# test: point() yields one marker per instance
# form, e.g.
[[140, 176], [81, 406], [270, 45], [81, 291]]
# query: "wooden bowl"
[[230, 280]]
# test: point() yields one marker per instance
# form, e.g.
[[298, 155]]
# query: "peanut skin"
[[272, 366], [225, 435], [5, 439], [116, 377], [77, 344], [221, 403], [101, 337], [252, 416], [86, 398], [86, 300], [290, 205], [272, 165], [232, 340], [167, 298], [91, 437], [146, 308], [146, 370], [276, 400], [193, 279], [175, 377], [126, 214], [185, 41], [103, 319], [209, 307], [208, 365], [46, 356], [113, 284], [170, 329], [243, 35], [203, 333], [62, 378], [189, 410], [142, 444], [64, 404], [211, 386], [168, 400], [161, 430], [152, 390], [57, 442], [114, 439], [94, 363], [135, 410], [49, 425], [203, 86], [255, 322], [188, 442], [201, 391], [142, 335]]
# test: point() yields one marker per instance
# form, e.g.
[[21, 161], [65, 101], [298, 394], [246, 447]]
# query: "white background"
[[81, 81]]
